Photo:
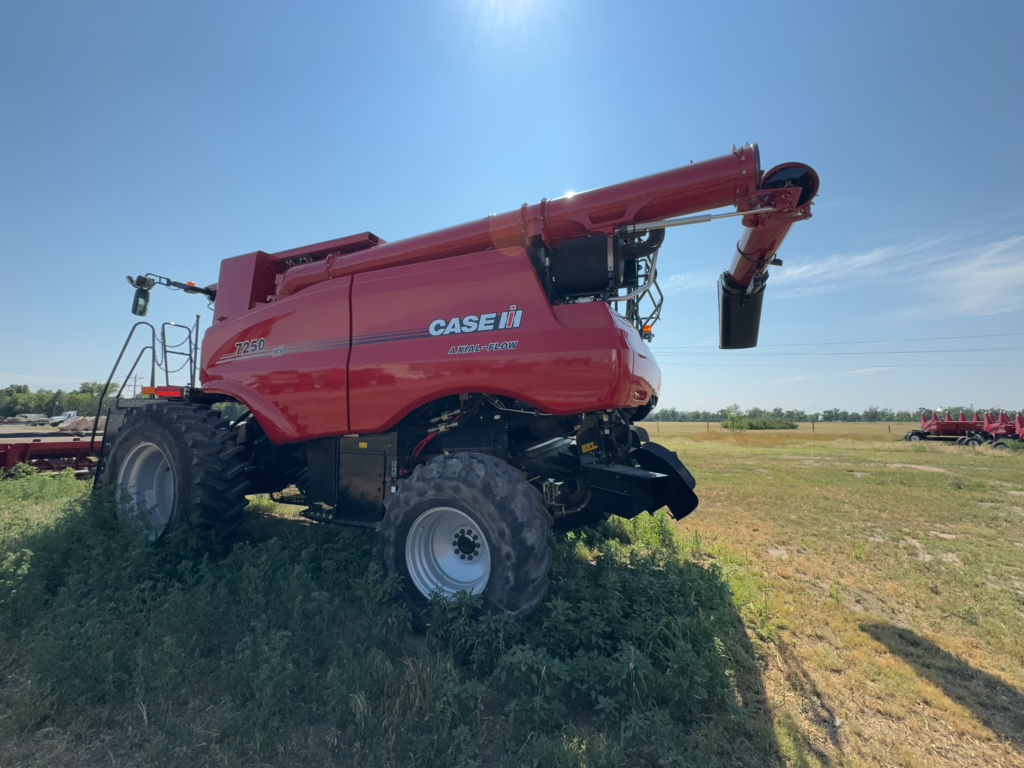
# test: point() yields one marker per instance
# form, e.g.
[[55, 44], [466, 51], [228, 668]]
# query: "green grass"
[[293, 649], [839, 598]]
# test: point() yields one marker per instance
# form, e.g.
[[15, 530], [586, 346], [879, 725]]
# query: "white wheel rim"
[[446, 551], [146, 480]]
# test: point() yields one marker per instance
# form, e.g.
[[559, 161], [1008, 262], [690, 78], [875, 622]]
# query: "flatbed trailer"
[[50, 452]]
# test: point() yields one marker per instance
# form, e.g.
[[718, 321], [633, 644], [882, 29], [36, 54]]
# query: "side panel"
[[482, 323], [287, 362]]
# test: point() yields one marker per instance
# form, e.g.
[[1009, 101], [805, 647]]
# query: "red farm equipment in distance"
[[460, 392], [49, 452], [978, 430]]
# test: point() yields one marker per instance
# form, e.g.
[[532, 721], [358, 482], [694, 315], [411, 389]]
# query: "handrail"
[[117, 363]]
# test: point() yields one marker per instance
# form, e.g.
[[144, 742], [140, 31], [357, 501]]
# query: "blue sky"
[[163, 137]]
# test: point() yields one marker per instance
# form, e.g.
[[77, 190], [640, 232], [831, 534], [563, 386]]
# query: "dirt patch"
[[918, 548], [946, 536], [919, 467], [952, 559], [778, 554]]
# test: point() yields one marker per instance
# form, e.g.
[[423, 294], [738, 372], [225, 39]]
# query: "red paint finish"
[[1001, 426], [248, 280], [564, 360], [49, 453], [350, 335], [293, 373], [728, 180], [950, 427], [311, 374]]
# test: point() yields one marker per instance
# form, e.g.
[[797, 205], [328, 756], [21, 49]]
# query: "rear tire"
[[468, 522], [177, 462]]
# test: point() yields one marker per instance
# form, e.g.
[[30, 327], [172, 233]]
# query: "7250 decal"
[[252, 345]]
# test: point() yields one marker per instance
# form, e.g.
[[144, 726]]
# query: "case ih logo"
[[492, 321]]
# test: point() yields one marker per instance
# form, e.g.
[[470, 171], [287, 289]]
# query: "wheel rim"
[[446, 551], [145, 478]]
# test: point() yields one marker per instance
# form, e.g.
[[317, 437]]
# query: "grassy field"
[[840, 598]]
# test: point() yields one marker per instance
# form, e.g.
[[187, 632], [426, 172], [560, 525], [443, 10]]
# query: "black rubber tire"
[[998, 445], [508, 511], [913, 437], [973, 442], [207, 470]]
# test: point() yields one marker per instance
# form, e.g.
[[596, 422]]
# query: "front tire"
[[176, 462], [468, 522]]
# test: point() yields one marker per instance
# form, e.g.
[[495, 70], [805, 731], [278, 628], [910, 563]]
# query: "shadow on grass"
[[999, 706], [636, 644], [293, 648], [815, 704]]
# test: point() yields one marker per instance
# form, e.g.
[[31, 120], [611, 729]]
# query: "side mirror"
[[140, 305]]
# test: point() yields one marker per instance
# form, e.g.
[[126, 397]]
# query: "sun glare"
[[497, 23], [508, 12]]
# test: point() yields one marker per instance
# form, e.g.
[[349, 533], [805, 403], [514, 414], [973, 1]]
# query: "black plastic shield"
[[676, 490], [739, 315]]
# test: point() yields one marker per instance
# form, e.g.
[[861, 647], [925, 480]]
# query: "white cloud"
[[839, 271], [981, 281], [965, 279], [686, 282]]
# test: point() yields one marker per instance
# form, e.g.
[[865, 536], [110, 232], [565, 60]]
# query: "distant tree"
[[872, 413], [734, 421]]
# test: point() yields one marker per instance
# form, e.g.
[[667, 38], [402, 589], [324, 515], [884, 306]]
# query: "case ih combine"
[[462, 391], [993, 430]]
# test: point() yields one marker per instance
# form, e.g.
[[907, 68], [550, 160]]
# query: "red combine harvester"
[[461, 392], [994, 430]]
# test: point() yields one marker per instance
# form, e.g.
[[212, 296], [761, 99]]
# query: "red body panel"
[[563, 360], [294, 379]]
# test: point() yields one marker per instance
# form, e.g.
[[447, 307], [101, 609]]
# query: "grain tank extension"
[[461, 392]]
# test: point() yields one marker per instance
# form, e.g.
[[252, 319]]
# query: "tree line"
[[870, 413], [18, 398]]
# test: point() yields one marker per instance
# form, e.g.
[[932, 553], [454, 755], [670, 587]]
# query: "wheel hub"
[[446, 551], [466, 544]]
